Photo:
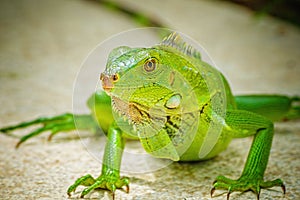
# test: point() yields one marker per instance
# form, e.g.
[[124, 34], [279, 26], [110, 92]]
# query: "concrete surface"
[[43, 44]]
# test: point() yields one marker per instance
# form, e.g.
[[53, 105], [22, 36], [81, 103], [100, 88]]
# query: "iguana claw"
[[212, 191], [103, 182], [244, 184]]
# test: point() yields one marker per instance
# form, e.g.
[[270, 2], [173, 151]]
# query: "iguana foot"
[[107, 182], [56, 124], [244, 184]]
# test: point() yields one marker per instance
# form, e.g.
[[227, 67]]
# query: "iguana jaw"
[[131, 111]]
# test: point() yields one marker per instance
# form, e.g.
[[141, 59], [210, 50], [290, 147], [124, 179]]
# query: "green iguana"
[[179, 108]]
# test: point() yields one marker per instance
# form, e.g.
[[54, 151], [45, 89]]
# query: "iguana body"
[[180, 108]]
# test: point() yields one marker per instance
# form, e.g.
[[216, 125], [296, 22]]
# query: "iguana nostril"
[[107, 82]]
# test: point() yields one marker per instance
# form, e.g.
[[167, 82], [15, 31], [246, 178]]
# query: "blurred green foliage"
[[288, 10]]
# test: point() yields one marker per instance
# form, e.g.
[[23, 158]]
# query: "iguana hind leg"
[[56, 124], [244, 124]]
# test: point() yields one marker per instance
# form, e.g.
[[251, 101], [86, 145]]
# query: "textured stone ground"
[[43, 44]]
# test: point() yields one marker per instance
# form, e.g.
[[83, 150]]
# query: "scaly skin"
[[110, 177], [180, 108]]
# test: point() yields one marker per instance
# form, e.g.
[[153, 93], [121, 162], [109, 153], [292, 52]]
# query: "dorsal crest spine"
[[175, 40]]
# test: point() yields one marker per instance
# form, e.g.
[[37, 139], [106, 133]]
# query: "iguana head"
[[152, 89], [138, 85], [132, 79]]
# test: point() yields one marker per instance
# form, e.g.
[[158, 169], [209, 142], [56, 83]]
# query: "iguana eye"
[[115, 77], [150, 65]]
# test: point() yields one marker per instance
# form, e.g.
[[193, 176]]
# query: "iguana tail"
[[294, 112], [274, 107]]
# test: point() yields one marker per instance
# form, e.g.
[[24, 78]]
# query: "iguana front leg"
[[244, 124], [110, 177]]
